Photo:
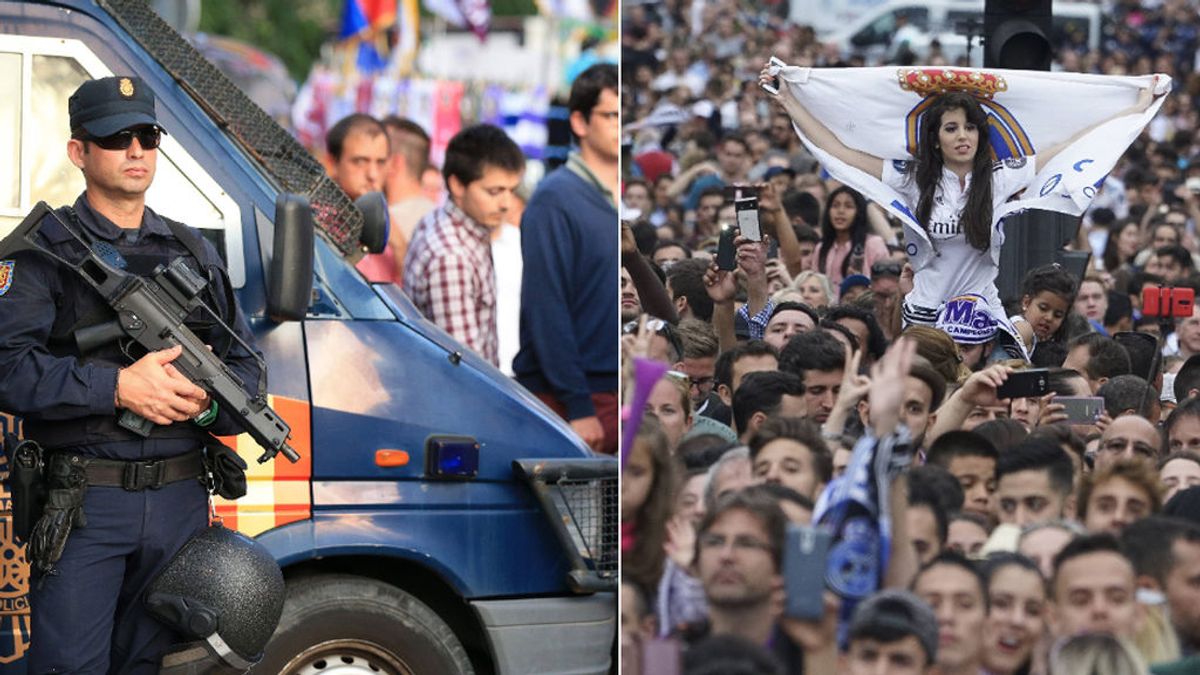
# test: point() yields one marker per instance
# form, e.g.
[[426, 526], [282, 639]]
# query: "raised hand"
[[680, 545], [888, 381], [1050, 412], [907, 275], [628, 242], [980, 388], [752, 257], [720, 284], [854, 388]]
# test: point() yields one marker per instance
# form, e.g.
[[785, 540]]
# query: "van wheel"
[[346, 625]]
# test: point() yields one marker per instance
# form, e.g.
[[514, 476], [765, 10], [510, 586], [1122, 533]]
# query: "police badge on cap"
[[103, 107]]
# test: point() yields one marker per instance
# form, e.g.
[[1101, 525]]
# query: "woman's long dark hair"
[[644, 562], [976, 218], [858, 229], [1112, 257]]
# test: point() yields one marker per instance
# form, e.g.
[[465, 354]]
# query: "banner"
[[877, 111]]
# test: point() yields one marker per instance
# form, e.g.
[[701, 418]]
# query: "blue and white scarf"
[[854, 509]]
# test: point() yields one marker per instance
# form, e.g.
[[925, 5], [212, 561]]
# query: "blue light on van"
[[452, 457]]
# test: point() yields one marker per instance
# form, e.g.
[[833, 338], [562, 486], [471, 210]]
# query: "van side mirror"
[[290, 278], [376, 221]]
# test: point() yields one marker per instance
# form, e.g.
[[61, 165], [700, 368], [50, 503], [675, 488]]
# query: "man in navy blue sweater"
[[569, 242]]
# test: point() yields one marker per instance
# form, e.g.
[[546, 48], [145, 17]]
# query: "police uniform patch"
[[6, 275], [126, 87]]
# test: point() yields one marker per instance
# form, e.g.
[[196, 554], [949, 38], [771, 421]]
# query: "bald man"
[[1128, 436]]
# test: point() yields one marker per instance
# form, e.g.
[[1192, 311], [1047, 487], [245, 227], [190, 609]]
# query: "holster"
[[226, 470], [26, 482], [66, 483]]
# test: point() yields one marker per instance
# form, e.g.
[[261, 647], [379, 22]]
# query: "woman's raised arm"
[[819, 134], [1144, 100]]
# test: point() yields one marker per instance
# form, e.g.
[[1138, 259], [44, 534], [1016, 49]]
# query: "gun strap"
[[191, 241]]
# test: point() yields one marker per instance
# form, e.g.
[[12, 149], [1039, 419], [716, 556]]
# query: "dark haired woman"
[[952, 188], [847, 246], [1124, 241]]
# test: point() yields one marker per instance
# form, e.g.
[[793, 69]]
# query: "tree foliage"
[[293, 30]]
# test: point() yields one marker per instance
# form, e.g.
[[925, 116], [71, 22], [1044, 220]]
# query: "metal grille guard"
[[279, 154], [580, 499]]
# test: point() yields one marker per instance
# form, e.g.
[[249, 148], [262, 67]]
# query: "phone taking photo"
[[773, 67], [726, 251], [747, 218], [1081, 409], [1025, 383], [804, 555]]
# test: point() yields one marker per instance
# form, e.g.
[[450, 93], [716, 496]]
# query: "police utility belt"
[[140, 474], [48, 487]]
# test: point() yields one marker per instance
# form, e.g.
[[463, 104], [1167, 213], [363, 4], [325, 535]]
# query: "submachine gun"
[[151, 312]]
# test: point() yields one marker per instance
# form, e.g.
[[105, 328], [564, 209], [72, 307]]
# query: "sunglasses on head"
[[147, 137], [885, 268]]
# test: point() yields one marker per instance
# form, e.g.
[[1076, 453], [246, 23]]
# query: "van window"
[[35, 128], [56, 181], [10, 130], [52, 177], [881, 30], [954, 17]]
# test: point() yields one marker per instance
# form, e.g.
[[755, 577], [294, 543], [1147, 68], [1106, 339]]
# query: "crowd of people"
[[849, 374], [521, 279]]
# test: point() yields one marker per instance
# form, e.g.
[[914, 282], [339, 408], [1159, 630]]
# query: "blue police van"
[[441, 519]]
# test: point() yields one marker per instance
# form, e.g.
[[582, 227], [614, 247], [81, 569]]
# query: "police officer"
[[144, 498]]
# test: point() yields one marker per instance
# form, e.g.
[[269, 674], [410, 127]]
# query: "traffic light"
[[1017, 34]]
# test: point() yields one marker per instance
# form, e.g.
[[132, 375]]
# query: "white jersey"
[[957, 268]]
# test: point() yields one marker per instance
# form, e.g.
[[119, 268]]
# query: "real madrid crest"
[[125, 86]]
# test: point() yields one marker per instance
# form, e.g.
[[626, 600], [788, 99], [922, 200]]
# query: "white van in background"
[[871, 33]]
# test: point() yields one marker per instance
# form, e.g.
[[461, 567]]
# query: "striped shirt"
[[449, 276]]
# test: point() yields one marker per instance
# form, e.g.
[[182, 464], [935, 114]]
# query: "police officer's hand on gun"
[[154, 389]]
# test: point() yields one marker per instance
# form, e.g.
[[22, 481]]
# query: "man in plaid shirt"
[[448, 271]]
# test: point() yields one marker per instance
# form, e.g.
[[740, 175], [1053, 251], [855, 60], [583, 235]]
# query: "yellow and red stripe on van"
[[278, 492]]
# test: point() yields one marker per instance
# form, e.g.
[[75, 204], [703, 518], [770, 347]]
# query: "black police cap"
[[111, 104]]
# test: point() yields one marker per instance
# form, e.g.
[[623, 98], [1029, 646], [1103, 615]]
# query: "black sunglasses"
[[885, 268], [147, 137]]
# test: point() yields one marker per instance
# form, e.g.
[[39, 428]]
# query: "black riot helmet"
[[224, 589]]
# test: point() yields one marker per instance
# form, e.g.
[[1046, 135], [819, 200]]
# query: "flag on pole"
[[408, 33], [473, 14], [579, 10], [364, 28]]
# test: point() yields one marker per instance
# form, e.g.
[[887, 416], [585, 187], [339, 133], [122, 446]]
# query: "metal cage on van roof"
[[282, 157]]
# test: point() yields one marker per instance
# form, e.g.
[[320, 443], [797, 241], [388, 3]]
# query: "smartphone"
[[662, 656], [1025, 383], [773, 87], [747, 218], [804, 554], [733, 193], [1081, 409], [726, 252], [1173, 303]]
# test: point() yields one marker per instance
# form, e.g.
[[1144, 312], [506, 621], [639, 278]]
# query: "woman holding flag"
[[952, 193]]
